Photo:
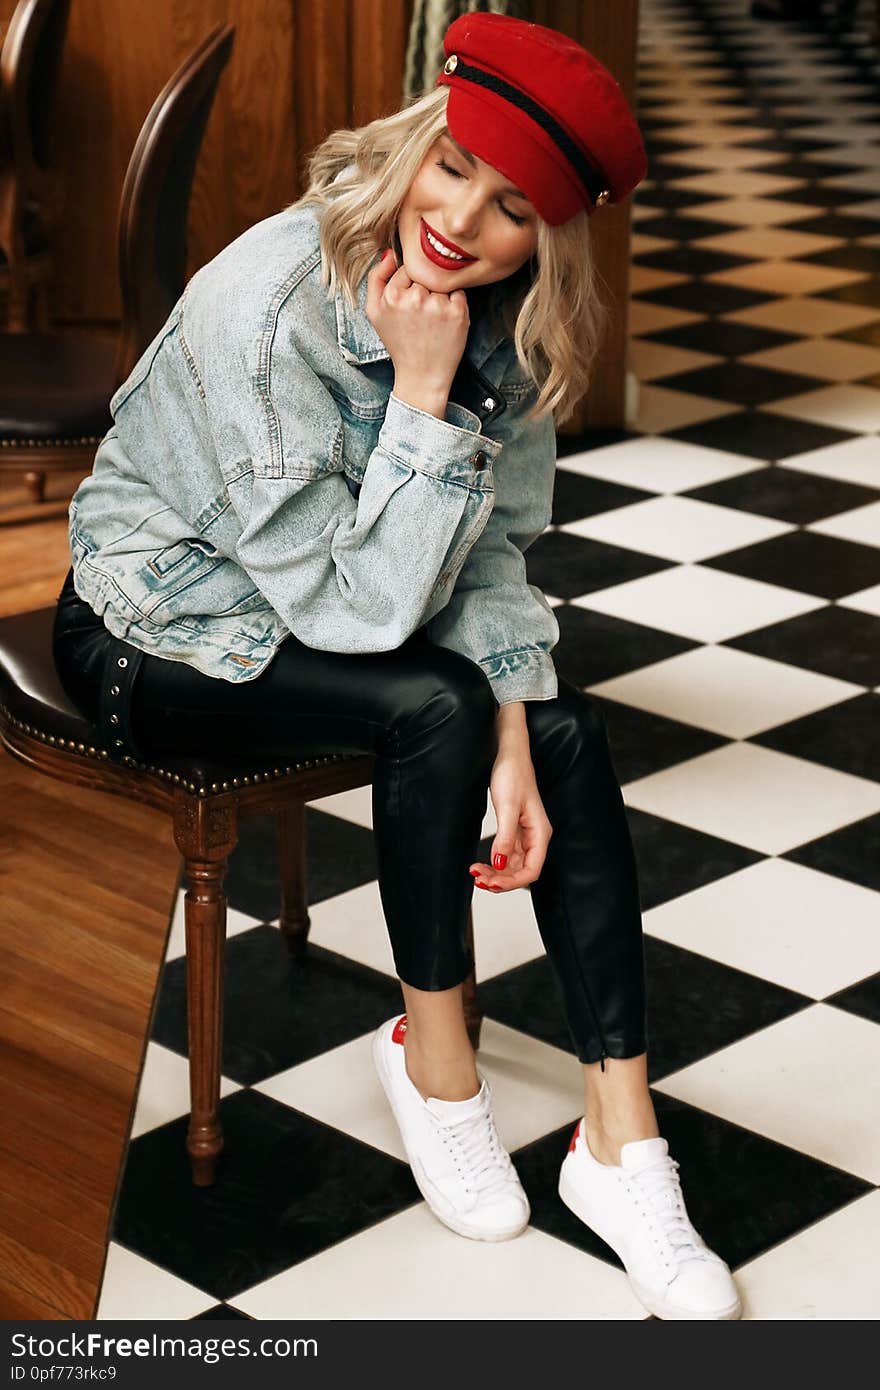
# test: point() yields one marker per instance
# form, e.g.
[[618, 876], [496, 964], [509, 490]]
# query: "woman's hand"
[[425, 331], [523, 828]]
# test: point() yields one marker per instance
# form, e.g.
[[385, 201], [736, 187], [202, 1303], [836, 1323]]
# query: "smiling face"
[[470, 208]]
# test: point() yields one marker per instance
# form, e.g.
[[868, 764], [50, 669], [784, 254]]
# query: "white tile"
[[659, 465], [767, 801], [706, 605], [852, 461], [800, 314], [643, 278], [677, 528], [858, 154], [236, 923], [136, 1289], [661, 409], [413, 1267], [862, 524], [163, 1092], [727, 691], [718, 134], [867, 180], [860, 209], [825, 1273], [847, 407], [755, 212], [768, 243], [786, 277], [355, 805], [641, 243], [830, 359], [727, 156], [865, 601], [811, 1081], [772, 920], [742, 183], [651, 361], [643, 317], [536, 1089]]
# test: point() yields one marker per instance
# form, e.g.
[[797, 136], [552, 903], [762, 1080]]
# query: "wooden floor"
[[87, 883]]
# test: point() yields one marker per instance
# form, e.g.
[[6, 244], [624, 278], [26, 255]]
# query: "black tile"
[[760, 434], [581, 441], [719, 1164], [683, 228], [662, 197], [725, 337], [340, 854], [577, 495], [705, 297], [867, 333], [852, 853], [834, 641], [837, 223], [862, 999], [642, 742], [846, 258], [674, 859], [786, 494], [279, 1008], [694, 1005], [287, 1187], [740, 382], [843, 736], [569, 566], [594, 646], [805, 560], [865, 292], [221, 1312], [690, 260], [818, 195]]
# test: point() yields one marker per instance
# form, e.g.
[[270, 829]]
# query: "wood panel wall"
[[299, 69]]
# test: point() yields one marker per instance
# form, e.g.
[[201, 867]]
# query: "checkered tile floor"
[[716, 575]]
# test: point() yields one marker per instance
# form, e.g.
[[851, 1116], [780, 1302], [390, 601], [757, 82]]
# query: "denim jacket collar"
[[359, 343]]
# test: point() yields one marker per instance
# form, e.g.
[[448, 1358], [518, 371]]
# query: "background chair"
[[205, 800], [30, 60], [55, 389]]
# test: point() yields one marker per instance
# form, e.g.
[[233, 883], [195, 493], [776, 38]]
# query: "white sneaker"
[[638, 1209], [458, 1161]]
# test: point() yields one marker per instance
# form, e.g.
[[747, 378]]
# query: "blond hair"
[[550, 307]]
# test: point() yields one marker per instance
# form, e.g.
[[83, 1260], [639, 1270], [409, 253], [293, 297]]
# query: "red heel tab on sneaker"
[[574, 1138], [399, 1029]]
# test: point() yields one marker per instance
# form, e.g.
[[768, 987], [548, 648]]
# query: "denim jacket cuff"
[[452, 449], [527, 674]]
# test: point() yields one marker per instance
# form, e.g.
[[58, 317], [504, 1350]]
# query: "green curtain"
[[431, 19]]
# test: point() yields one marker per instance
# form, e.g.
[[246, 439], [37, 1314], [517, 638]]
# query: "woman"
[[297, 537]]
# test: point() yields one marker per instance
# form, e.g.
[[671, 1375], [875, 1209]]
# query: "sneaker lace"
[[660, 1184], [481, 1160]]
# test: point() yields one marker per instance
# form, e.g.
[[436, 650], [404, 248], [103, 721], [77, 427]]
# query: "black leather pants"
[[428, 715]]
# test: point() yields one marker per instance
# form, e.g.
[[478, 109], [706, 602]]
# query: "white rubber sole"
[[652, 1301], [450, 1219]]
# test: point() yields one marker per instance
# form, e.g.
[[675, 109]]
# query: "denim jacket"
[[261, 479]]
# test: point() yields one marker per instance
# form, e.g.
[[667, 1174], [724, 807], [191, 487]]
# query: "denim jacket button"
[[479, 460]]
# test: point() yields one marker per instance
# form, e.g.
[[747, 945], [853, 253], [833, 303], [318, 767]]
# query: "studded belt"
[[121, 665]]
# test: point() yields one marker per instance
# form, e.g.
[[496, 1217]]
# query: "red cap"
[[542, 111]]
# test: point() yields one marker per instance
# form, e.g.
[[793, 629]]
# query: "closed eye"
[[441, 164]]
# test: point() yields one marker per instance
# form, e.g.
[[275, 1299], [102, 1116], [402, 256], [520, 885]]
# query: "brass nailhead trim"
[[50, 443], [102, 754]]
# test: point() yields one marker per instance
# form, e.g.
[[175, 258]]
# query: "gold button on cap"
[[603, 197], [479, 459], [451, 63]]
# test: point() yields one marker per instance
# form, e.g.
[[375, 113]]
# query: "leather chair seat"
[[33, 696], [55, 386]]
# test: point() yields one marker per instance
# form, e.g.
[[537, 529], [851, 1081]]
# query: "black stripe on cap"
[[592, 178]]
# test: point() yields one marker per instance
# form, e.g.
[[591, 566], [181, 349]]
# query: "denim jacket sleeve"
[[345, 573], [494, 616]]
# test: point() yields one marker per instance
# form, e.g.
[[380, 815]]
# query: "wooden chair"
[[30, 60], [205, 800], [55, 389]]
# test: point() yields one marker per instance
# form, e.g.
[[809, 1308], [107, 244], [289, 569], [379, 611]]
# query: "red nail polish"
[[495, 889], [480, 884], [500, 861], [473, 872]]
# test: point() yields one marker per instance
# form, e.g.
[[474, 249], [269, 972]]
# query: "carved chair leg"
[[291, 837], [473, 1014], [205, 833]]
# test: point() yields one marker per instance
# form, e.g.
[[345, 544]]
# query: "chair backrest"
[[156, 195], [29, 65]]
